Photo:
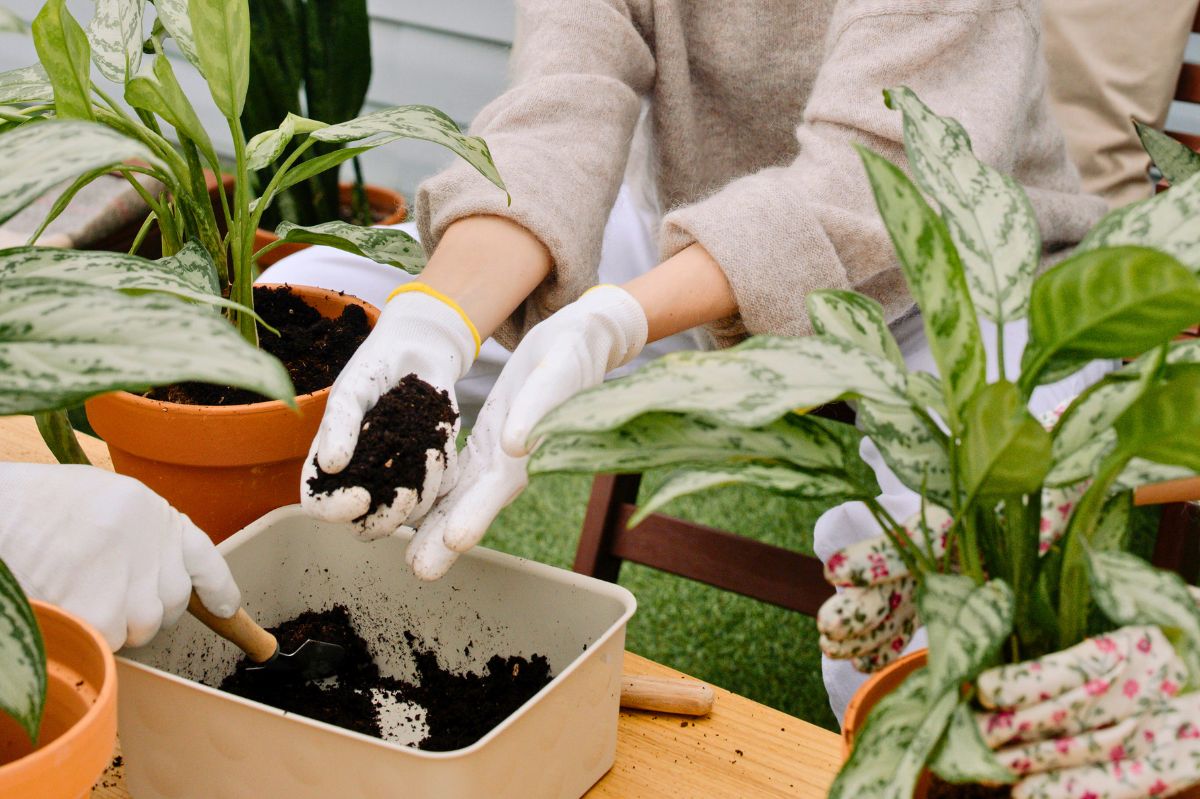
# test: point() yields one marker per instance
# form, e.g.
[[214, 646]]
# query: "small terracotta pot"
[[224, 466], [386, 204], [881, 683], [79, 728]]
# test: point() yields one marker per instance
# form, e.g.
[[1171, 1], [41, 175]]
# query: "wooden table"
[[742, 750]]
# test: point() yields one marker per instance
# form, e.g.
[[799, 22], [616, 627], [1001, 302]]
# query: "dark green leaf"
[[1004, 449], [1174, 159], [163, 95]]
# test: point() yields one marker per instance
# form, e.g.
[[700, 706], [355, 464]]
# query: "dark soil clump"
[[460, 708], [940, 789], [392, 442], [314, 349]]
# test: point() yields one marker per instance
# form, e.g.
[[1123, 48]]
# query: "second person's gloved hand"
[[565, 354]]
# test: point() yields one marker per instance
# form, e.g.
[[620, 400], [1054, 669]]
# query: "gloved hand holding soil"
[[403, 461]]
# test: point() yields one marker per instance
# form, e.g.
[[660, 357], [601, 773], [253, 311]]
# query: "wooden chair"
[[1187, 90]]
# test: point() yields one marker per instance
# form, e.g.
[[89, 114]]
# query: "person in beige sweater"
[[753, 108]]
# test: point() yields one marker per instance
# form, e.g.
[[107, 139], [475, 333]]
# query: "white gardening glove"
[[108, 549], [565, 354], [872, 617], [1101, 720], [419, 332]]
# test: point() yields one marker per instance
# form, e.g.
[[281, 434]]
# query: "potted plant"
[[961, 442], [313, 58], [70, 128]]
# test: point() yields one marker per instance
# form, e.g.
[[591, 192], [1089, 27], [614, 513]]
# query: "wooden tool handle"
[[238, 629], [666, 695]]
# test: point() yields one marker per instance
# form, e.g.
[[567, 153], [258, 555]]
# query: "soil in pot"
[[407, 421], [313, 349], [940, 789], [454, 710]]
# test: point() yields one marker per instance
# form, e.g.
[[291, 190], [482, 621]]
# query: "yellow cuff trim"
[[599, 286], [437, 295]]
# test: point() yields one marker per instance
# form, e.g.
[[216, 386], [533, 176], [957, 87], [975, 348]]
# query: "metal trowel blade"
[[312, 660]]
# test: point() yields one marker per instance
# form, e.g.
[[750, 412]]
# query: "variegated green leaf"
[[1174, 159], [36, 157], [222, 40], [1112, 528], [892, 748], [854, 318], [11, 23], [926, 393], [749, 385], [935, 277], [311, 167], [161, 94], [22, 657], [26, 85], [780, 479], [1005, 451], [966, 622], [1131, 591], [270, 144], [65, 54], [989, 217], [1169, 222], [665, 439], [61, 343], [963, 756], [917, 454], [1141, 472], [415, 122], [175, 19], [1163, 424], [1111, 303], [116, 35], [382, 245]]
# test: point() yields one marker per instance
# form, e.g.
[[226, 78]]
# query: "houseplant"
[[962, 443], [70, 128]]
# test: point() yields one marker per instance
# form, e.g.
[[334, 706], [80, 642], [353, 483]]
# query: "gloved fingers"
[[450, 460], [435, 470], [354, 392], [210, 575], [876, 560], [854, 612], [889, 651], [1057, 504], [143, 616], [339, 505], [560, 375], [1166, 772], [467, 519], [174, 587], [880, 636], [428, 557]]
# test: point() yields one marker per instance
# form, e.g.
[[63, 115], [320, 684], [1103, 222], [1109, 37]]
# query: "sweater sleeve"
[[560, 138], [787, 230]]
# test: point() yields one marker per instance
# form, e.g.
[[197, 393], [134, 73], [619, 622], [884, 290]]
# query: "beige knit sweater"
[[754, 105]]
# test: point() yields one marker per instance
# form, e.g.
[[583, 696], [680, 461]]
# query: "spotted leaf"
[[26, 85], [22, 657], [966, 622], [382, 245], [116, 35]]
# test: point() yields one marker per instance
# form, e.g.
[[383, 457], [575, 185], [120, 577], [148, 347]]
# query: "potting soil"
[[406, 422], [940, 789], [452, 710], [312, 348]]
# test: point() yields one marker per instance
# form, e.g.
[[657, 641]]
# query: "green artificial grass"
[[752, 648]]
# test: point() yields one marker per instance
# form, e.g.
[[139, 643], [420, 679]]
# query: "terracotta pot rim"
[[106, 696], [852, 722]]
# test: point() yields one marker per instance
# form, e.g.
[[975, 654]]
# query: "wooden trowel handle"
[[238, 629], [666, 695]]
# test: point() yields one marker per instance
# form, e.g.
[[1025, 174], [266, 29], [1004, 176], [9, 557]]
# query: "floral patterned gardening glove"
[[1101, 720], [873, 615]]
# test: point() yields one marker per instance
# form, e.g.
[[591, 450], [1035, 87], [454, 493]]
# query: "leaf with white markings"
[[1169, 222], [854, 318], [935, 277], [222, 31], [1174, 159], [963, 756], [1142, 472], [61, 343], [749, 385], [1005, 451], [988, 215], [415, 122], [917, 454], [174, 16], [265, 147], [967, 623], [22, 657], [1131, 591], [26, 85], [381, 245], [779, 479], [116, 35], [664, 439], [891, 750], [65, 54], [34, 158], [11, 23], [162, 95]]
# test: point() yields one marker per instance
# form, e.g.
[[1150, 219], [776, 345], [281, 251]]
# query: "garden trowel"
[[312, 660]]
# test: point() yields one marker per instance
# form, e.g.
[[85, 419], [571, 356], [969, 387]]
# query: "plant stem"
[[912, 556], [242, 239], [1001, 369], [142, 232], [56, 431], [268, 194], [266, 249]]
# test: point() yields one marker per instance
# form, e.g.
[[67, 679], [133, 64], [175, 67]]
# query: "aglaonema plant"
[[22, 658], [64, 126], [960, 441]]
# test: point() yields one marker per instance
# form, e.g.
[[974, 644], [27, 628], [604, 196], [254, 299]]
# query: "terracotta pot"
[[386, 204], [79, 728], [224, 466]]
